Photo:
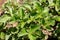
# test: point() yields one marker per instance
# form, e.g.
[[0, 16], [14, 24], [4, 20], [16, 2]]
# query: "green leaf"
[[38, 7], [50, 2], [7, 36], [50, 22], [2, 35], [10, 11], [22, 33], [57, 18], [30, 19], [34, 28], [13, 38], [4, 18], [21, 12], [42, 0], [28, 7], [22, 24], [31, 37]]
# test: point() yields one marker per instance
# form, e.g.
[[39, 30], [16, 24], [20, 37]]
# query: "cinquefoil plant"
[[37, 20]]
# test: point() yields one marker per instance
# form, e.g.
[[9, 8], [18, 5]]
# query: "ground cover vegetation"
[[30, 20]]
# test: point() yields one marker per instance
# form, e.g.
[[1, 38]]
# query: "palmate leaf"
[[50, 2], [45, 12], [10, 11], [57, 6], [30, 19], [49, 21], [13, 38], [39, 33], [57, 18], [21, 12], [26, 17], [22, 33], [34, 28], [7, 36], [38, 7], [2, 35], [31, 37], [22, 24], [38, 16], [4, 18], [28, 7]]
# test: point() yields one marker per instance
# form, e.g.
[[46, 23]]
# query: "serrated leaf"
[[4, 18], [22, 33], [30, 19], [7, 37], [38, 7], [11, 11], [22, 24], [28, 7], [31, 37], [21, 12], [34, 28], [13, 38], [57, 18], [2, 35]]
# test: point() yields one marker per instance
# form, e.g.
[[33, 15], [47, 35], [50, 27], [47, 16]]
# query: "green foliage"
[[30, 21]]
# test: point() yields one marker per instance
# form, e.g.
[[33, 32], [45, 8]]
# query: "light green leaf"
[[22, 32], [38, 7], [11, 11], [13, 38], [42, 0], [28, 7], [7, 37], [31, 37], [4, 18], [21, 12], [34, 28], [22, 24], [57, 18], [30, 19], [2, 35]]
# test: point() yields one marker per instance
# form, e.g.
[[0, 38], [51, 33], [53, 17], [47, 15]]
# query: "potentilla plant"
[[38, 20]]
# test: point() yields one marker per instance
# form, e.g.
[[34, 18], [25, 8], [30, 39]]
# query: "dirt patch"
[[2, 2]]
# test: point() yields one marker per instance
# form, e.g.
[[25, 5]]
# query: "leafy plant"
[[30, 21]]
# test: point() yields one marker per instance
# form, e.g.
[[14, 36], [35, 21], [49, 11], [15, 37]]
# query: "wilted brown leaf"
[[15, 24], [9, 25], [46, 32]]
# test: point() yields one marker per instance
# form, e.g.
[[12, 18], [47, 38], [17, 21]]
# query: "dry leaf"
[[8, 26], [46, 32], [15, 24]]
